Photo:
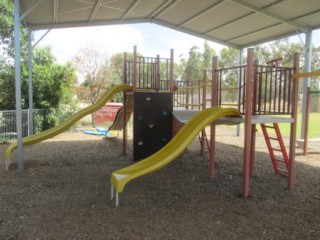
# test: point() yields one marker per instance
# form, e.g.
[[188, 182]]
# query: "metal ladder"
[[276, 144]]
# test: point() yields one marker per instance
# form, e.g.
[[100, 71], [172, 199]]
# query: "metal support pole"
[[17, 65], [306, 82], [30, 116]]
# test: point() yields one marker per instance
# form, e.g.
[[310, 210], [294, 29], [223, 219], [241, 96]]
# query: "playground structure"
[[262, 94]]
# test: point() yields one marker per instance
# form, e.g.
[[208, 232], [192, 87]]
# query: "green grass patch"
[[314, 126]]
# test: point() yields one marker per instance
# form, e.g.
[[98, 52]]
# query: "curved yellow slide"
[[173, 149], [68, 123], [118, 122]]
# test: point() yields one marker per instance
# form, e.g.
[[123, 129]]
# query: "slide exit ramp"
[[170, 151]]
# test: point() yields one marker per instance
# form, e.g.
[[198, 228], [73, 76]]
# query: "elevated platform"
[[183, 116]]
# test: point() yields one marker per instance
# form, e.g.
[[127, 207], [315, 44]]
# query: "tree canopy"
[[51, 81]]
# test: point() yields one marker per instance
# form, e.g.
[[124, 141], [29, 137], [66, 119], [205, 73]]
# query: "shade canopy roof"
[[235, 23]]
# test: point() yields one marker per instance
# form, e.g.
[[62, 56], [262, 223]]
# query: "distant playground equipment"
[[102, 132], [120, 121]]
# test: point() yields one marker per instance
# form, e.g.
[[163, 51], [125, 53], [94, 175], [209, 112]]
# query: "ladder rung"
[[265, 126], [273, 138], [276, 149], [282, 171], [281, 162], [280, 149]]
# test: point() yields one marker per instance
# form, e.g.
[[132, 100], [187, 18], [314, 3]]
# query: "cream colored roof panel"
[[235, 23]]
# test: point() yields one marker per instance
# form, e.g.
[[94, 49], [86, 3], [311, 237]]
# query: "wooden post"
[[134, 69], [214, 98], [247, 124], [306, 127], [157, 85], [191, 90], [124, 126], [293, 127], [253, 126], [171, 69], [187, 93]]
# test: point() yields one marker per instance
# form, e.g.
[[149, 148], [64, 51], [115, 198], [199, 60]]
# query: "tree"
[[51, 81], [193, 68], [229, 59], [207, 55], [7, 28], [93, 72], [51, 84]]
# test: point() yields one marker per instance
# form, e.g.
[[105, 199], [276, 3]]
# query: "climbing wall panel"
[[152, 123]]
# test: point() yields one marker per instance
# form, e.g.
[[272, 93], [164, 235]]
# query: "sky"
[[150, 40]]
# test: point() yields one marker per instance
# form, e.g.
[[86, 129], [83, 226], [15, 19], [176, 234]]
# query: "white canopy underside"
[[235, 23]]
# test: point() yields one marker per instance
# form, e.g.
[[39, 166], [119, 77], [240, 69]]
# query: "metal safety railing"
[[148, 73], [272, 89], [192, 95]]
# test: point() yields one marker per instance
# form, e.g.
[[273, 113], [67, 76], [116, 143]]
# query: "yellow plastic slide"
[[118, 122], [68, 123], [172, 150]]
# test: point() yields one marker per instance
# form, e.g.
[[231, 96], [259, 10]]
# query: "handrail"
[[207, 83], [191, 105], [306, 74]]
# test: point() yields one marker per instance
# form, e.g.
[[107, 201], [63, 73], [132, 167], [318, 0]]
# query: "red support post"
[[171, 69], [247, 124], [157, 87], [214, 98], [187, 93], [293, 127], [253, 126], [134, 69], [124, 132]]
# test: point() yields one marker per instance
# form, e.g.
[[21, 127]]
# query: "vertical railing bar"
[[261, 89], [289, 92], [280, 91], [270, 91]]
